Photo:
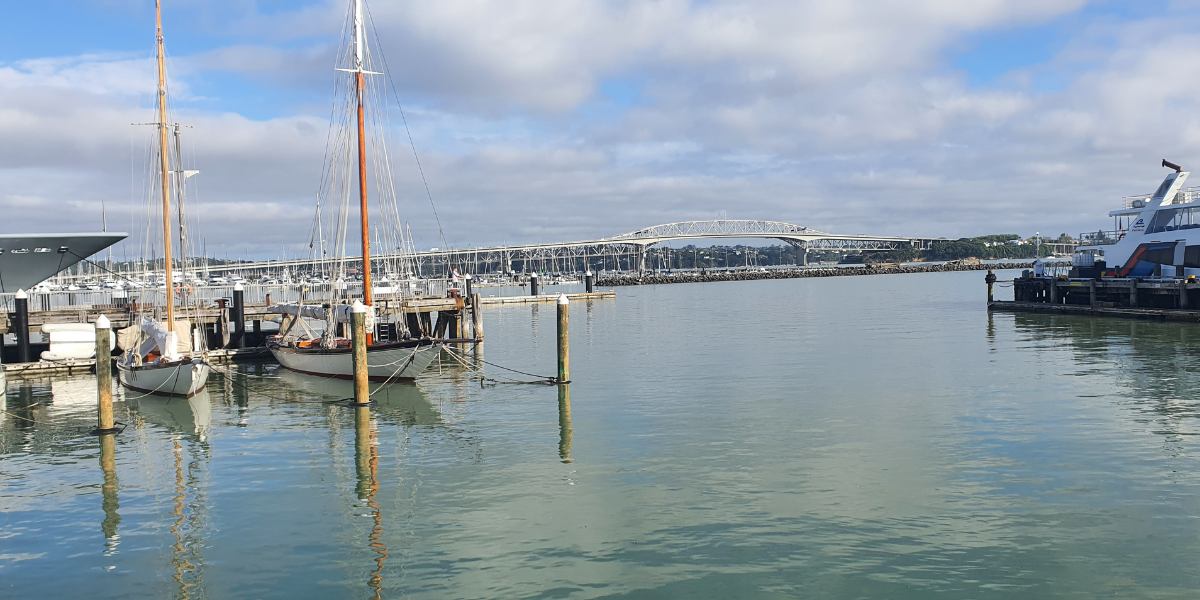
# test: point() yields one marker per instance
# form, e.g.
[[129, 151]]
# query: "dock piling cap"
[[358, 307], [562, 299], [21, 295], [237, 287], [102, 322]]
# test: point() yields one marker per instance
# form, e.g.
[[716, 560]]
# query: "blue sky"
[[583, 118]]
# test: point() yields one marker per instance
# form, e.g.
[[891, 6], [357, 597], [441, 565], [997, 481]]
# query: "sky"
[[576, 119]]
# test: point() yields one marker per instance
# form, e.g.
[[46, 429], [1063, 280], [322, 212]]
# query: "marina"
[[349, 299]]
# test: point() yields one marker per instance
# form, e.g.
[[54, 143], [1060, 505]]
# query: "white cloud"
[[841, 116]]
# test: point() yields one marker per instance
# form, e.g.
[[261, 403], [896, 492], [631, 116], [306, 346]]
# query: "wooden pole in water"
[[533, 284], [991, 281], [20, 326], [104, 413], [476, 318], [358, 341], [564, 345], [239, 316]]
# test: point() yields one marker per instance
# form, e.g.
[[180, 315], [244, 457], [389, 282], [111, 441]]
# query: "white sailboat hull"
[[177, 379], [383, 364]]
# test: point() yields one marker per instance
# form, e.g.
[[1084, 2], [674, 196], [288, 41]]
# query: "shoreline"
[[797, 273]]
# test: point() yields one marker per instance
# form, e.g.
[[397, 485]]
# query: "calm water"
[[835, 438]]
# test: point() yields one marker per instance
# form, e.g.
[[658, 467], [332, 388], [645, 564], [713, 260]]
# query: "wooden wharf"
[[1170, 299], [449, 319]]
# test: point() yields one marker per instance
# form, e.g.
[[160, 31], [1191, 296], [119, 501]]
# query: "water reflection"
[[402, 403], [108, 493], [366, 463], [189, 420], [191, 416], [1155, 364], [565, 431]]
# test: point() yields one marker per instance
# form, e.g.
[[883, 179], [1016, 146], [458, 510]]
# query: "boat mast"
[[164, 167], [360, 83]]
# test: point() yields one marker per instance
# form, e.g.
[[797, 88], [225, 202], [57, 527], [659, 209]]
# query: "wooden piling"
[[990, 278], [1183, 295], [589, 281], [239, 316], [222, 324], [476, 318], [470, 289], [1092, 292], [1053, 290], [1133, 293], [105, 423], [20, 326], [564, 345], [358, 340], [533, 284]]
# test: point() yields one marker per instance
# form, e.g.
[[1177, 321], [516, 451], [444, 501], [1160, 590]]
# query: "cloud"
[[581, 119]]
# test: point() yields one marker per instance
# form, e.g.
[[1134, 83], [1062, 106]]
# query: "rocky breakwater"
[[791, 273]]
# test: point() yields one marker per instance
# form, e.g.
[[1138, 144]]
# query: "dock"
[[442, 318], [1163, 299]]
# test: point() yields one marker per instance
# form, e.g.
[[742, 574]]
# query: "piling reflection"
[[108, 493], [366, 462], [565, 430]]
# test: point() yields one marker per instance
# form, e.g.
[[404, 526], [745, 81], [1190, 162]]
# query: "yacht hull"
[[405, 360], [185, 378]]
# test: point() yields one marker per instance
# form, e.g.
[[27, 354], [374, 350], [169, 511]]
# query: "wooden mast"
[[360, 84], [164, 167]]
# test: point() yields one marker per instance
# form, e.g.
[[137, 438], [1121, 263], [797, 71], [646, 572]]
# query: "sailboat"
[[154, 361], [393, 352]]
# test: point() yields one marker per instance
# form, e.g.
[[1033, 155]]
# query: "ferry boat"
[[1155, 235], [31, 258]]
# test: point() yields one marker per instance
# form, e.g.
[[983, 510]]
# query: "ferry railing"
[[1100, 238], [1190, 195]]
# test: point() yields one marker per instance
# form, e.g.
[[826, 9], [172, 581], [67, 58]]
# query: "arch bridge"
[[628, 248]]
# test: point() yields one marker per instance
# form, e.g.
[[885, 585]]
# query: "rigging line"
[[396, 94]]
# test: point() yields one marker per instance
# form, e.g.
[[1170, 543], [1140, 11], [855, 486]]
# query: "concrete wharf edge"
[[1154, 314]]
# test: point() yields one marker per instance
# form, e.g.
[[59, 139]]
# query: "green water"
[[860, 437]]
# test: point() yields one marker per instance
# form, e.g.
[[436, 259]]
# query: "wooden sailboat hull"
[[404, 360], [184, 378]]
